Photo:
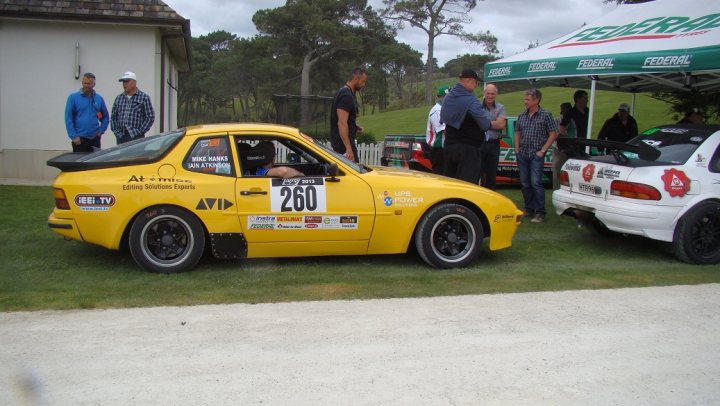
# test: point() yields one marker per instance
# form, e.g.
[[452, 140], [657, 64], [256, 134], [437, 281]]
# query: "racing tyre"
[[166, 239], [448, 236], [697, 236]]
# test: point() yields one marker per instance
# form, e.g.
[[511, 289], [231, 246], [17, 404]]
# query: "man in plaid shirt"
[[132, 113], [535, 132]]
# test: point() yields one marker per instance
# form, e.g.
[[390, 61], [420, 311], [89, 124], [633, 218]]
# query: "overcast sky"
[[515, 23]]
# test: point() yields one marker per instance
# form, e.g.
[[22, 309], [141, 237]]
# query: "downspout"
[[162, 85]]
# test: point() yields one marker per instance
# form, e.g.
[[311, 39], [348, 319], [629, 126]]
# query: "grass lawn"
[[39, 270], [648, 111]]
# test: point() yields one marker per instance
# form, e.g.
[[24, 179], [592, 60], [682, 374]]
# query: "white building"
[[46, 46]]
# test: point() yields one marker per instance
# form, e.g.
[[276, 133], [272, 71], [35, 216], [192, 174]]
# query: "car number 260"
[[298, 195]]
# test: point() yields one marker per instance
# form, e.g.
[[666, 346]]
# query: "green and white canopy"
[[661, 45]]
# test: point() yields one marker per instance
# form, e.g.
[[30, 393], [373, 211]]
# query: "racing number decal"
[[298, 195]]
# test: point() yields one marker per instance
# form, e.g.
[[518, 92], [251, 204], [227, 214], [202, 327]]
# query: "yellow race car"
[[262, 190]]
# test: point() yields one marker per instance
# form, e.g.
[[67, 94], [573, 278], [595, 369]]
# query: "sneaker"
[[538, 218]]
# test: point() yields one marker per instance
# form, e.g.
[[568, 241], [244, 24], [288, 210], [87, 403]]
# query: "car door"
[[310, 208]]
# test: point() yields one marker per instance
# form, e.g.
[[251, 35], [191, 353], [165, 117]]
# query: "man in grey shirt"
[[490, 150]]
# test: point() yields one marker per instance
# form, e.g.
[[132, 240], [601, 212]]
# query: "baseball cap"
[[443, 90], [128, 76], [469, 73], [624, 106]]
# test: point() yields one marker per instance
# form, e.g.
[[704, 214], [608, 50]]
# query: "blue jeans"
[[531, 172]]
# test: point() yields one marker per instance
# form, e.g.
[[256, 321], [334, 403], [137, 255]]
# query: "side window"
[[211, 156], [715, 161], [285, 153]]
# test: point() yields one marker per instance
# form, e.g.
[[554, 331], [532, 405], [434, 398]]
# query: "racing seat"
[[251, 159]]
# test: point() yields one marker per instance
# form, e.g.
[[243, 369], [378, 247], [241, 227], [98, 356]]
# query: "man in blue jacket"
[[86, 116], [465, 124]]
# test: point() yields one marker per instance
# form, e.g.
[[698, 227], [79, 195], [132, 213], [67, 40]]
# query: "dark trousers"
[[531, 177], [462, 162], [87, 144], [437, 160], [489, 157]]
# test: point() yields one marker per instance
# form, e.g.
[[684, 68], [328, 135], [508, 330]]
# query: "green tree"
[[314, 30], [397, 61], [436, 18]]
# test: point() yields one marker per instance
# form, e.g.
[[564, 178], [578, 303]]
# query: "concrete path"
[[651, 346]]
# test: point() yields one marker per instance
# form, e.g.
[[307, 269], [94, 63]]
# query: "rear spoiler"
[[645, 152], [72, 162]]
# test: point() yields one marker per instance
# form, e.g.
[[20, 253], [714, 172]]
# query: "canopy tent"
[[661, 45]]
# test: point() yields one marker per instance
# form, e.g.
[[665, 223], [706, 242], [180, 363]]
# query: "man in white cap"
[[132, 112], [620, 127]]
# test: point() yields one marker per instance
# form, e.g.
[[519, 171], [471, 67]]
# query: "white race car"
[[663, 184]]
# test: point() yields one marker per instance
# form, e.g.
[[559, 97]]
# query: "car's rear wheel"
[[697, 236], [166, 239], [448, 236]]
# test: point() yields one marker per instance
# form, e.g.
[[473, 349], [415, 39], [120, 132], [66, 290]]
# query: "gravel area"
[[649, 346]]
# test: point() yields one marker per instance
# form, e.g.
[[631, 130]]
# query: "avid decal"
[[676, 182], [92, 202], [209, 203]]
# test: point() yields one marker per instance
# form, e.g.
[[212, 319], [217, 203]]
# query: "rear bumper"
[[622, 216], [65, 227]]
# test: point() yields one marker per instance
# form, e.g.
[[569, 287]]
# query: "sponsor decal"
[[588, 172], [649, 29], [153, 182], [504, 218], [311, 226], [262, 226], [93, 202], [348, 219], [298, 195], [397, 144], [261, 219], [608, 173], [701, 161], [596, 63], [676, 182], [542, 67], [498, 72], [674, 130], [292, 219], [674, 61], [313, 219], [211, 203], [403, 198], [572, 167]]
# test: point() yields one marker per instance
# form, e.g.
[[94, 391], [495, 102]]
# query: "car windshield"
[[358, 167], [676, 144], [143, 149]]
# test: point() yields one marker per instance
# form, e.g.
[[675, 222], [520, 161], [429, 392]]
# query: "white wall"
[[37, 72]]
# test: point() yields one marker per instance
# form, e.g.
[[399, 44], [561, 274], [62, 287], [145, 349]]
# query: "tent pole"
[[592, 106], [632, 106]]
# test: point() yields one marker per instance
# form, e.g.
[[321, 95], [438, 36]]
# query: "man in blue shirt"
[[465, 124], [86, 116], [132, 111]]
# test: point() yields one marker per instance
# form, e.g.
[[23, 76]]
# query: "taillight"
[[564, 178], [60, 199], [417, 151], [633, 190]]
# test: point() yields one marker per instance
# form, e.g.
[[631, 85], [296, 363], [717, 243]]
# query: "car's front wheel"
[[166, 239], [697, 236], [449, 235]]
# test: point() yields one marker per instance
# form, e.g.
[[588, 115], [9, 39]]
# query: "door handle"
[[253, 192]]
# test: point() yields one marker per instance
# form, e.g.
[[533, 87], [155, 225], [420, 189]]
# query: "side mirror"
[[332, 171]]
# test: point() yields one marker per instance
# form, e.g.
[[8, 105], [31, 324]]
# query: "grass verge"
[[39, 270]]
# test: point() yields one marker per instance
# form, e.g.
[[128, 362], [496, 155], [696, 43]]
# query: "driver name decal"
[[676, 182]]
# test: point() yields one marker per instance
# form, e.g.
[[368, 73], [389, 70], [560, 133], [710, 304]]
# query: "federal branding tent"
[[661, 45]]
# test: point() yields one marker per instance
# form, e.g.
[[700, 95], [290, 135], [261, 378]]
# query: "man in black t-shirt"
[[343, 115], [579, 114]]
